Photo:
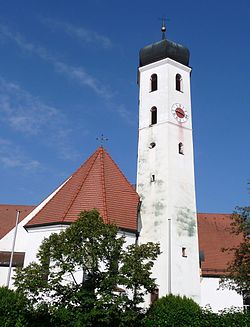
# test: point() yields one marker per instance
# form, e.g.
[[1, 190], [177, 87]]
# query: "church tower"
[[165, 171]]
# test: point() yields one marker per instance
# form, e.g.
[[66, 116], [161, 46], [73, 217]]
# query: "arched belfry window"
[[178, 83], [154, 82], [153, 115]]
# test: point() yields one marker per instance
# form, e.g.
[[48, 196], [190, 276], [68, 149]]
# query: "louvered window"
[[153, 116], [154, 82], [178, 83]]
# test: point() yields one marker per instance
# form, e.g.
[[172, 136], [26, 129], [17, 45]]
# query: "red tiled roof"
[[214, 234], [99, 184], [8, 214]]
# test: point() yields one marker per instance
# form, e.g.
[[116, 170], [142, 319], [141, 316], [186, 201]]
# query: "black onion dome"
[[164, 49]]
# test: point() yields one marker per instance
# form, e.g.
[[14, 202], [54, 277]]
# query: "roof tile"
[[99, 184], [214, 234], [8, 216]]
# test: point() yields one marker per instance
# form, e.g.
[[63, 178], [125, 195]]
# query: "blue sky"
[[68, 74]]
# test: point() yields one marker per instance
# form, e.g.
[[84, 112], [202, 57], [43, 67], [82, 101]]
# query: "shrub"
[[173, 311], [14, 308], [234, 318], [176, 311]]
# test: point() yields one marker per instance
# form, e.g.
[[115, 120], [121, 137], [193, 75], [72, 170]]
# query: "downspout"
[[169, 258], [13, 248], [137, 234]]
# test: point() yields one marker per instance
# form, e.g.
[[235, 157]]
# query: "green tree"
[[238, 277], [84, 275]]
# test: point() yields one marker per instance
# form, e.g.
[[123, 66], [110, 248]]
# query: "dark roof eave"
[[47, 224], [67, 223], [213, 275], [213, 272]]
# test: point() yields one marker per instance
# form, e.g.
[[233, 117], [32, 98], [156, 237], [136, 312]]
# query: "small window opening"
[[152, 178], [154, 82], [152, 145], [181, 148], [178, 83], [153, 116], [17, 260], [154, 295], [184, 252], [246, 301]]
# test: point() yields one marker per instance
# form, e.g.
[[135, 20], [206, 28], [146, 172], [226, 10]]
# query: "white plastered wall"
[[25, 241], [218, 299], [29, 240], [168, 211]]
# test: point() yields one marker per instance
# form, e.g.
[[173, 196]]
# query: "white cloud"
[[81, 33], [77, 73], [12, 157], [126, 115], [28, 115], [23, 112]]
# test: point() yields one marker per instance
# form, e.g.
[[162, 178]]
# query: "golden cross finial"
[[163, 27]]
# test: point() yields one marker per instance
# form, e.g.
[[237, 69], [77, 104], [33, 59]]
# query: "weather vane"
[[163, 27], [102, 139]]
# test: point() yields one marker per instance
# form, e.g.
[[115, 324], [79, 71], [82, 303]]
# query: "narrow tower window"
[[181, 148], [184, 252], [152, 178], [178, 83], [153, 115], [154, 82]]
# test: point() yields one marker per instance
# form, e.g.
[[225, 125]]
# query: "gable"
[[98, 184]]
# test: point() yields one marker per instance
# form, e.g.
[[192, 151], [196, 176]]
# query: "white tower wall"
[[168, 209]]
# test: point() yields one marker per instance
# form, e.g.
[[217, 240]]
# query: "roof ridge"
[[77, 192], [98, 183], [62, 185], [105, 209], [131, 186], [18, 205], [213, 213]]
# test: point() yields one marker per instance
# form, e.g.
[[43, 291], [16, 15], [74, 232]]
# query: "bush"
[[234, 318], [173, 311], [14, 308]]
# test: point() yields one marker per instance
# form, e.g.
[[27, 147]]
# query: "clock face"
[[179, 113]]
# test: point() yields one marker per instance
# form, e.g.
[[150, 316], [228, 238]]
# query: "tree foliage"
[[87, 276], [238, 277]]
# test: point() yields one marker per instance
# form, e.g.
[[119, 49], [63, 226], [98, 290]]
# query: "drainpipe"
[[13, 248], [169, 258], [137, 222]]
